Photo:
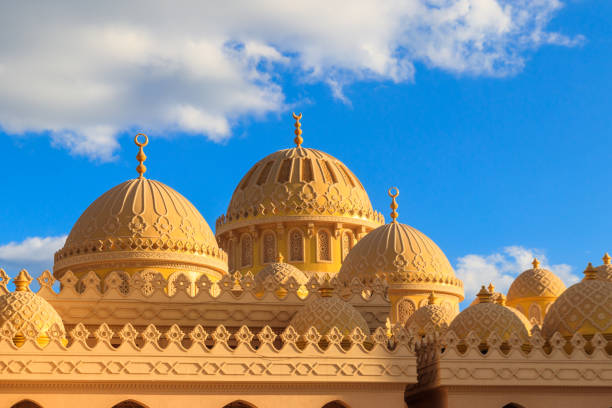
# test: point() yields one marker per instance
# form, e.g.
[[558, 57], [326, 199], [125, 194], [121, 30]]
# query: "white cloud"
[[88, 71], [34, 254], [502, 267]]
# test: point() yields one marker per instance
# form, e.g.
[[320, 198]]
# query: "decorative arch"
[[129, 404], [535, 314], [26, 404], [239, 404], [405, 309], [324, 251], [296, 245], [246, 250], [347, 243], [513, 405], [335, 404], [231, 251], [268, 239]]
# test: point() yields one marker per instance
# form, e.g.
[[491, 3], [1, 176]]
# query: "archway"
[[128, 404], [239, 404], [513, 405], [26, 404], [335, 404]]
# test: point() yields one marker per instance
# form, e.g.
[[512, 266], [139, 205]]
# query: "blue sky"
[[500, 151]]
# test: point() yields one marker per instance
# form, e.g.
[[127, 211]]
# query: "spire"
[[431, 299], [484, 296], [298, 130], [393, 196], [501, 299], [590, 272], [536, 263], [606, 259], [141, 157], [491, 288], [22, 281]]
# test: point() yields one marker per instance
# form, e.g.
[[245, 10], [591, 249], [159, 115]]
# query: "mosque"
[[303, 296]]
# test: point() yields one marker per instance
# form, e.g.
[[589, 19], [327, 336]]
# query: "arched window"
[[405, 309], [296, 246], [347, 244], [230, 254], [128, 404], [513, 405], [269, 247], [324, 246], [535, 314], [26, 404], [246, 250]]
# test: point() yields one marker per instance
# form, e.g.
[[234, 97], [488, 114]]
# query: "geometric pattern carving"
[[431, 317], [585, 308], [327, 312], [296, 246], [246, 250], [405, 309], [411, 258], [280, 273], [269, 247], [535, 283], [324, 245], [484, 319]]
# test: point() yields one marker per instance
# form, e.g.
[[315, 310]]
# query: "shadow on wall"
[[335, 404], [235, 404], [26, 404], [513, 405], [128, 404]]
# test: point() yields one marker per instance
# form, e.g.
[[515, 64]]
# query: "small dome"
[[24, 309], [327, 312], [585, 308], [403, 255], [496, 297], [141, 223], [604, 272], [281, 272], [485, 318], [428, 317], [535, 283], [300, 182]]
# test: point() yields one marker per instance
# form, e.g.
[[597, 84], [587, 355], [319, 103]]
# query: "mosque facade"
[[303, 296]]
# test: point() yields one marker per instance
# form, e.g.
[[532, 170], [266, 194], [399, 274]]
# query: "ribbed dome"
[[25, 310], [403, 255], [585, 308], [142, 223], [324, 313], [281, 272], [429, 317], [485, 318], [296, 182], [535, 283]]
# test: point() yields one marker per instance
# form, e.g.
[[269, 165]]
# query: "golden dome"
[[403, 255], [327, 312], [300, 182], [585, 308], [25, 310], [535, 283], [486, 318], [281, 272], [141, 223], [604, 272], [429, 317]]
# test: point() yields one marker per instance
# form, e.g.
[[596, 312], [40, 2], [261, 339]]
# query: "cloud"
[[34, 254], [87, 72], [502, 267]]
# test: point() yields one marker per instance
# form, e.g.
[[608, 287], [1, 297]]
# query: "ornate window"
[[405, 309], [535, 314], [324, 246], [246, 250], [347, 244], [269, 247], [230, 254], [296, 246]]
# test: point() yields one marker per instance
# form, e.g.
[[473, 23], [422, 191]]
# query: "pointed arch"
[[268, 239], [535, 314], [324, 252], [26, 404], [405, 309], [246, 250], [296, 245], [129, 404], [347, 243]]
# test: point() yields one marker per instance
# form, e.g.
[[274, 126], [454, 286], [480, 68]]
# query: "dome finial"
[[536, 263], [280, 258], [298, 130], [491, 288], [501, 299], [431, 299], [590, 273], [141, 157], [22, 281], [484, 296], [393, 193], [606, 259]]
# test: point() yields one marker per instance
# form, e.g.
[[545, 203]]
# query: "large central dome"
[[300, 181]]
